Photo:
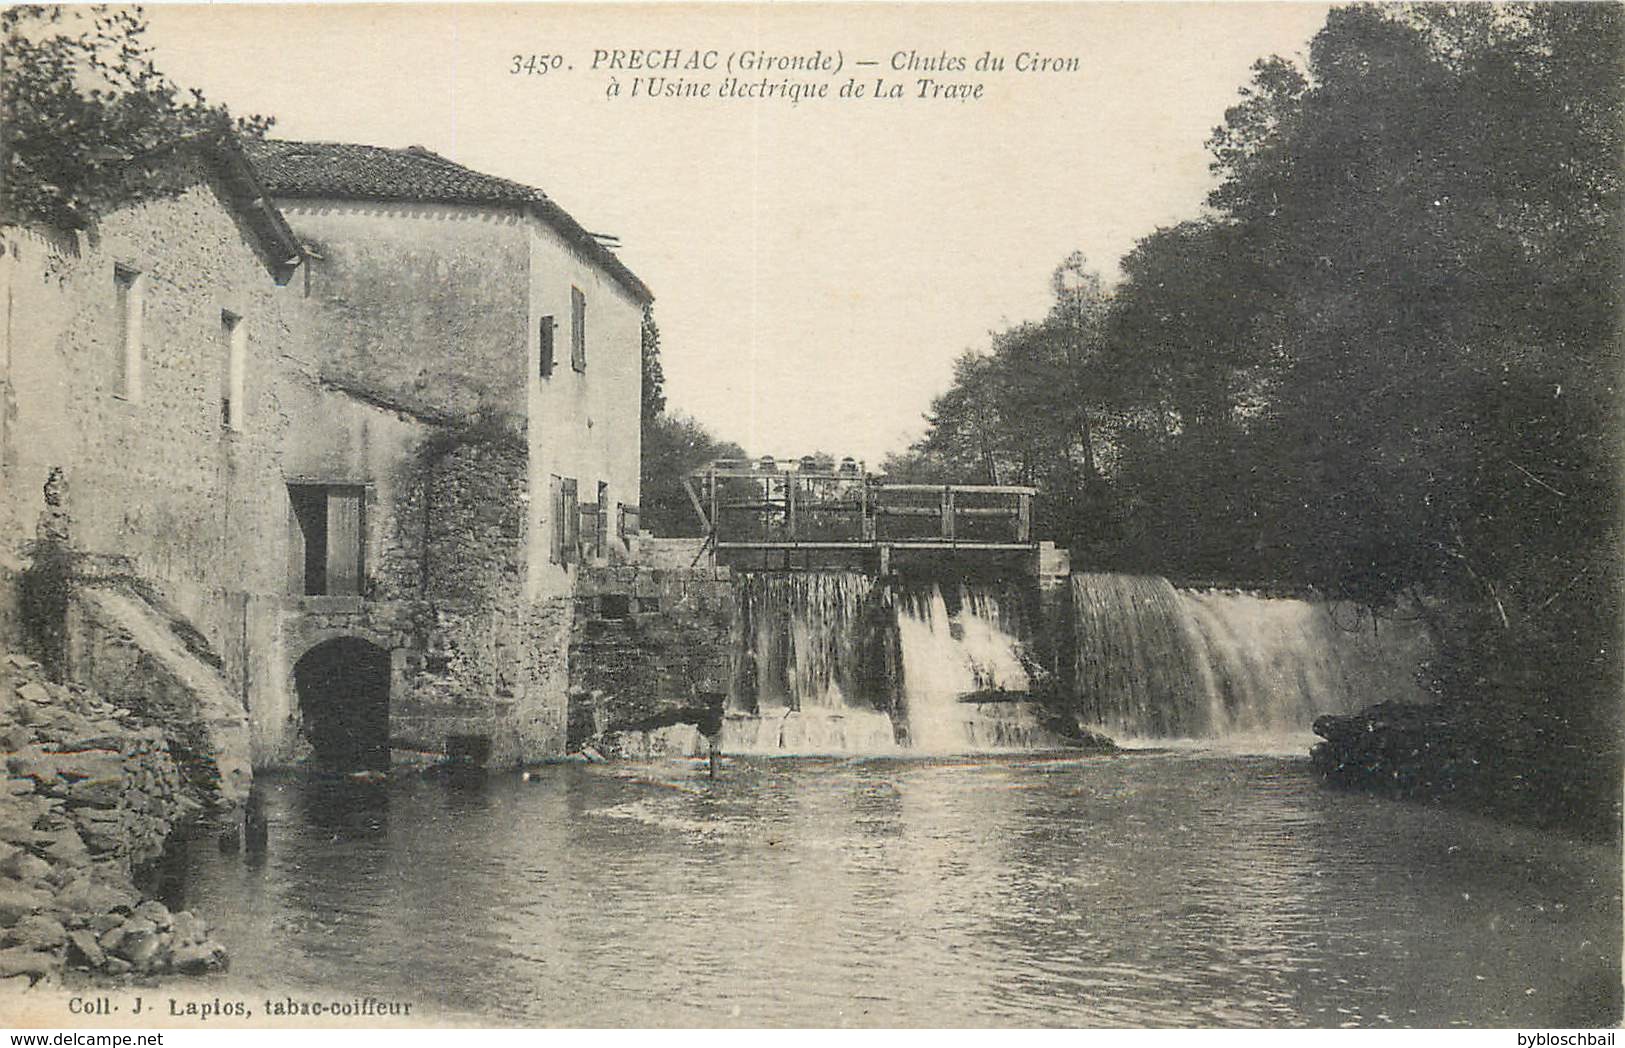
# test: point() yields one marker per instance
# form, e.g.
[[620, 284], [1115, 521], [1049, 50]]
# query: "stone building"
[[348, 421]]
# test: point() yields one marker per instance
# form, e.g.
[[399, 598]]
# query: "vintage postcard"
[[811, 515]]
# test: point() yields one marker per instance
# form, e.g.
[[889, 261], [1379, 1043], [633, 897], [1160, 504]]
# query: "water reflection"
[[1145, 889]]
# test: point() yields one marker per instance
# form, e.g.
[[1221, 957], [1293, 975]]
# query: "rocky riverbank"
[[90, 797], [1514, 763]]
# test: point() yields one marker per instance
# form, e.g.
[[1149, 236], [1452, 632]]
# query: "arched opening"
[[343, 687]]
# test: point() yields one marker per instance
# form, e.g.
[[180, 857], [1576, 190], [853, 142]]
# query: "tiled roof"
[[346, 171]]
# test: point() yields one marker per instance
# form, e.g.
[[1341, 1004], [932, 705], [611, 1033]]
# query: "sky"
[[817, 267]]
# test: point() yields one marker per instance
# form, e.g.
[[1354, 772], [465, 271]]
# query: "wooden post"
[[948, 514], [791, 483], [1024, 518]]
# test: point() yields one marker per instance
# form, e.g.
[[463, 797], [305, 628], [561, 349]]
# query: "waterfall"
[[834, 662], [948, 655], [1155, 661], [806, 680], [840, 662]]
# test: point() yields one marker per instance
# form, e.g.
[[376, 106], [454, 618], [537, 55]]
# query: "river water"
[[1173, 887]]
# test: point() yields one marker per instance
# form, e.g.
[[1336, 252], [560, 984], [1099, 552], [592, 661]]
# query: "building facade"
[[358, 416]]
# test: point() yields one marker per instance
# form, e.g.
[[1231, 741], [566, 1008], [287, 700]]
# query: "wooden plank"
[[895, 543], [695, 499], [935, 511], [344, 541], [1024, 519], [948, 514], [971, 489]]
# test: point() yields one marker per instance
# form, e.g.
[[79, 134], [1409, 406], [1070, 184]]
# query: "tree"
[[85, 117], [673, 445], [654, 376]]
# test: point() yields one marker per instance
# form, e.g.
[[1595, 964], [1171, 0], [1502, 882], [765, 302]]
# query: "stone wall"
[[91, 796], [122, 643], [426, 304], [649, 648], [153, 472]]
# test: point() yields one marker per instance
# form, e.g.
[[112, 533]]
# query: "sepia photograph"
[[812, 515]]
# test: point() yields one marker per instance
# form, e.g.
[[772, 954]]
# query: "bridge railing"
[[748, 507]]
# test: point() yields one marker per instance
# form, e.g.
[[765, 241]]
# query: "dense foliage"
[[1385, 364], [85, 117]]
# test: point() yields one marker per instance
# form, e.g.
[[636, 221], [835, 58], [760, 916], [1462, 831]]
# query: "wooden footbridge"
[[802, 515]]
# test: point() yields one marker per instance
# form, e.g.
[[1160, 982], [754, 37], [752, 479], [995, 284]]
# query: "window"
[[234, 335], [545, 366], [128, 287], [327, 539], [578, 329]]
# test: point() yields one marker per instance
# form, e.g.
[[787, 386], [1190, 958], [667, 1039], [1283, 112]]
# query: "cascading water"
[[804, 682], [949, 655], [833, 662], [838, 662], [1153, 661]]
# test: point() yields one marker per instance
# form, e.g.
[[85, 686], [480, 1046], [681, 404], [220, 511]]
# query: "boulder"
[[189, 928], [66, 846], [36, 693], [93, 897], [25, 867], [16, 787], [84, 950], [21, 960], [198, 958], [157, 913], [17, 901], [141, 949], [38, 931], [96, 793]]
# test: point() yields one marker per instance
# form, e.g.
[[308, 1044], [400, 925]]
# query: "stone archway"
[[343, 688]]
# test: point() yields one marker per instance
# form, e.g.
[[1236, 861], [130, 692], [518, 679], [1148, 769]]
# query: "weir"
[[844, 662], [833, 631]]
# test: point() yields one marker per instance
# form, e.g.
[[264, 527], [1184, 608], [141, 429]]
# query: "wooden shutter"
[[545, 367], [601, 539], [555, 494], [344, 537], [578, 329], [571, 521]]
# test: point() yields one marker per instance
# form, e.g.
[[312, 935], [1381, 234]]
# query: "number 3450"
[[536, 65]]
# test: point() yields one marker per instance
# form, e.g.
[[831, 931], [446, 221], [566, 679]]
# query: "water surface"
[[1156, 888]]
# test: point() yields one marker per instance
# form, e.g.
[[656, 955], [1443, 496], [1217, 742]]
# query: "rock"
[[20, 960], [85, 950], [157, 913], [15, 984], [198, 958], [17, 902], [189, 928], [66, 846], [19, 661], [104, 922], [116, 966], [87, 764], [89, 896], [16, 787], [38, 931], [111, 939], [140, 949], [36, 693], [25, 867], [139, 926]]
